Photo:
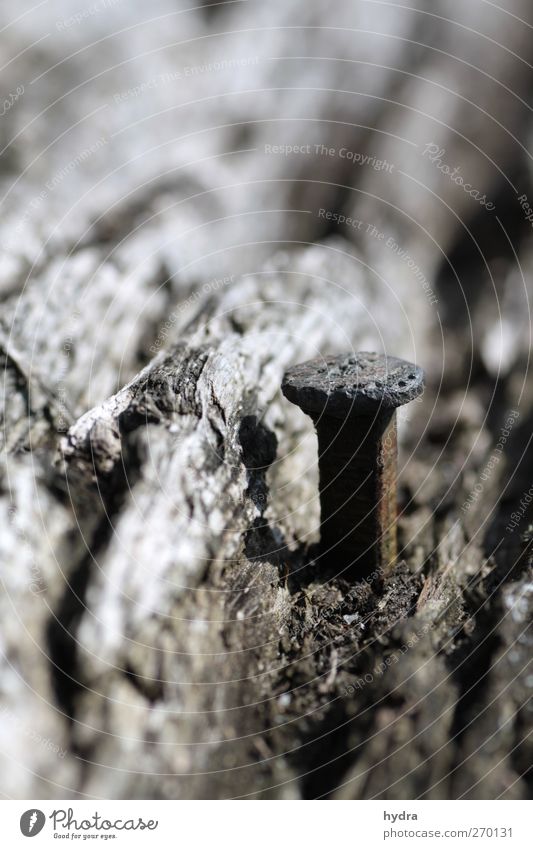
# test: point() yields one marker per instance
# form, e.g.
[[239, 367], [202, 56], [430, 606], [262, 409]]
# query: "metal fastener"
[[352, 400]]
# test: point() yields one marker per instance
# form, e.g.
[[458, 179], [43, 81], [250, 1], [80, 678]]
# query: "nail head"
[[352, 384]]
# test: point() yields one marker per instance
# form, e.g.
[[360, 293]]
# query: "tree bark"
[[166, 631]]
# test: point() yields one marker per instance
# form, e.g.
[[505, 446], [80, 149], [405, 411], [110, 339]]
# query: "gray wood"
[[164, 630]]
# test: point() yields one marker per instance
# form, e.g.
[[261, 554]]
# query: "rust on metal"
[[352, 400]]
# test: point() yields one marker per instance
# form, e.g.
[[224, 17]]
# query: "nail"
[[352, 400]]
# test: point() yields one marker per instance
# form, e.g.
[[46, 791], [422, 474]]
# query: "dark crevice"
[[103, 494], [259, 446], [471, 254], [332, 618], [150, 688], [105, 498], [474, 654], [38, 399], [329, 750]]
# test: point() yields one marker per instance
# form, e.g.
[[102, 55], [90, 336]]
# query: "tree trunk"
[[166, 630]]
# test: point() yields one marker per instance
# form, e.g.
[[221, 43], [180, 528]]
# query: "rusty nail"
[[352, 401]]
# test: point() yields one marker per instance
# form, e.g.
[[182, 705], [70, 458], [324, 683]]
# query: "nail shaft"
[[357, 468]]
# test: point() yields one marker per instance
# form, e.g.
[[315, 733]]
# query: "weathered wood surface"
[[165, 631]]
